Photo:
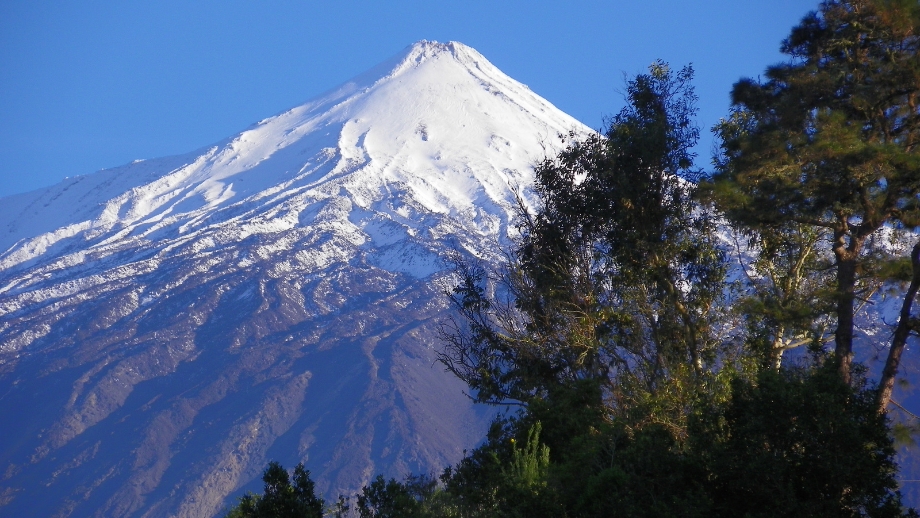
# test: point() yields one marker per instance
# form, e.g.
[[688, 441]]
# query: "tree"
[[616, 281], [784, 297], [829, 141], [393, 499], [798, 442], [281, 499]]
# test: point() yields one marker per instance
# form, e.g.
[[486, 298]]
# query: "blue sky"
[[95, 84]]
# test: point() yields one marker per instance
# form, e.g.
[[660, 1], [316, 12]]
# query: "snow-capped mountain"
[[169, 326]]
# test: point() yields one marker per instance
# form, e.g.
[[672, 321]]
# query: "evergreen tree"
[[616, 280], [829, 141], [418, 496], [610, 329], [798, 442], [281, 498]]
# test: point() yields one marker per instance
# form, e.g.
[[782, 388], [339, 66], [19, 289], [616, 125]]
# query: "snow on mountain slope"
[[443, 110], [169, 326]]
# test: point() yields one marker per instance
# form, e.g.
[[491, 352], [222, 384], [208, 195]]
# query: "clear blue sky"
[[95, 84]]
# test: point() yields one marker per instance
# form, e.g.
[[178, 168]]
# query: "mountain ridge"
[[138, 202]]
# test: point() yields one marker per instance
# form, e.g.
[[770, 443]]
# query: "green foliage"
[[829, 142], [501, 477], [528, 466], [788, 443], [281, 498], [786, 301], [798, 443], [632, 402], [616, 281], [643, 473], [392, 499]]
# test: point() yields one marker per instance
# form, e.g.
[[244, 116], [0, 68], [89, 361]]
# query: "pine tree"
[[829, 140]]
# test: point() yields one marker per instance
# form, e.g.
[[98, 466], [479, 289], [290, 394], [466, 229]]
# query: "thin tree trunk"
[[899, 341]]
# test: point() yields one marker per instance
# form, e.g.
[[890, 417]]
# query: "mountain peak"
[[418, 53], [425, 49], [437, 118]]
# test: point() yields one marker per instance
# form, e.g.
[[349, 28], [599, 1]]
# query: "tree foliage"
[[791, 442], [829, 141], [798, 442], [282, 498], [392, 499], [786, 295], [617, 278]]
